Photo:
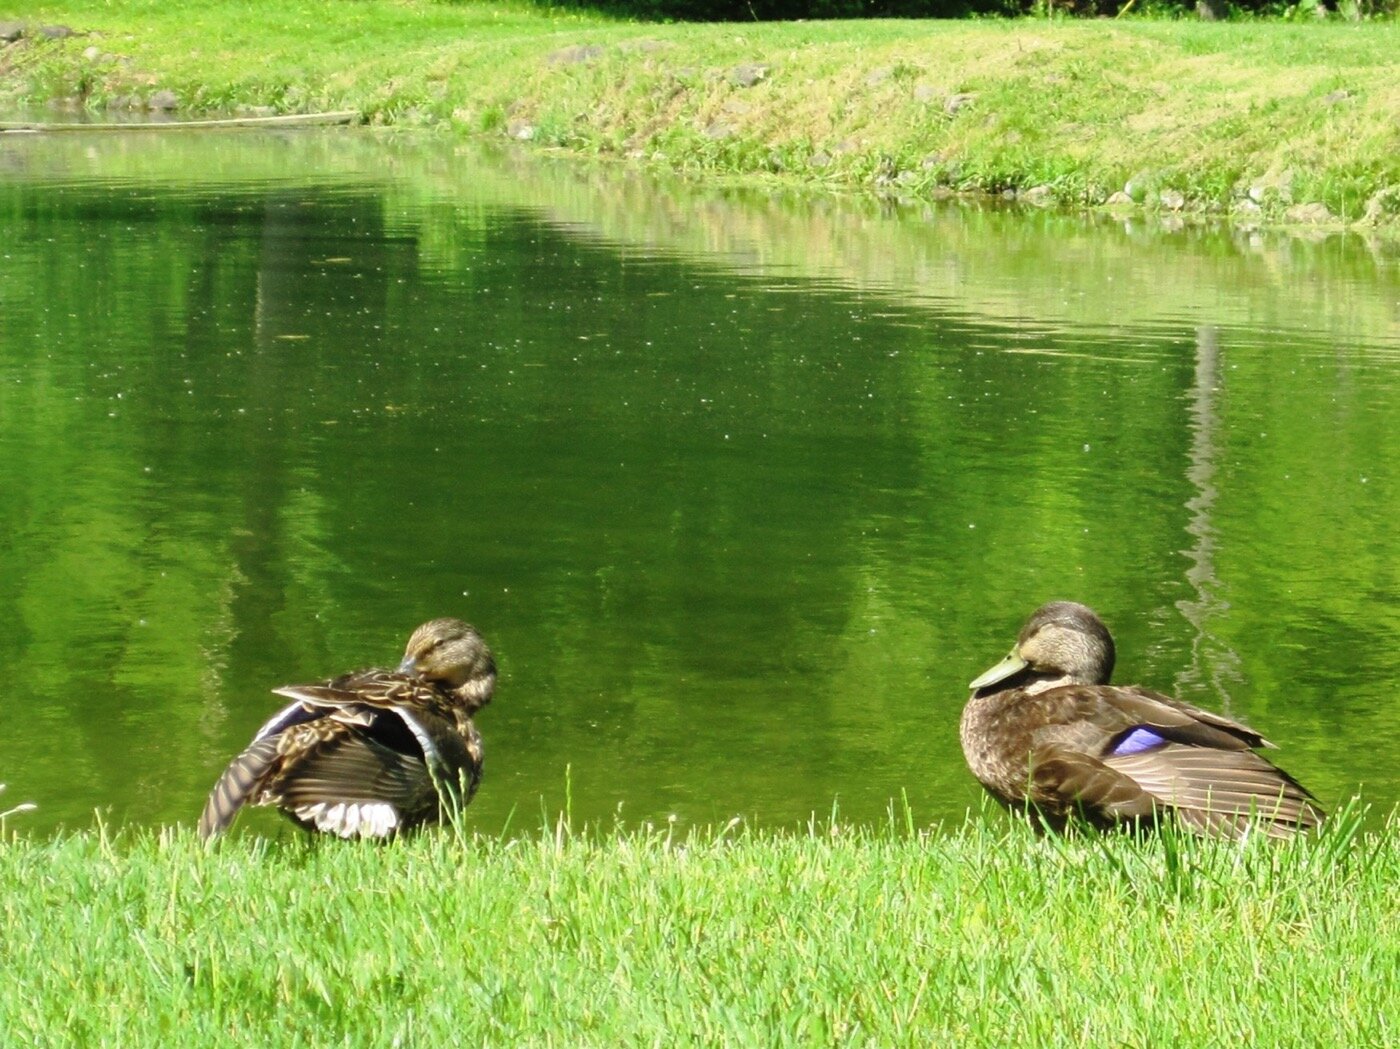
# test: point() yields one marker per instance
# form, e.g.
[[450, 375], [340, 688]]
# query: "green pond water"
[[743, 489]]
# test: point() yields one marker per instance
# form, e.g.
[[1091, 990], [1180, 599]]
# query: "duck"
[[1048, 736], [373, 753]]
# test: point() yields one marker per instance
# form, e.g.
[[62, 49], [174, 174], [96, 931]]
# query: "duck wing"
[[372, 689], [1220, 792], [398, 711], [339, 779], [1123, 753], [239, 781]]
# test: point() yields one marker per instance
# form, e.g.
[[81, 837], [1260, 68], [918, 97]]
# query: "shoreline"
[[1266, 125]]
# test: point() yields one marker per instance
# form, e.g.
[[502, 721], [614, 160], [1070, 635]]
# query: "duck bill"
[[1012, 664], [409, 666]]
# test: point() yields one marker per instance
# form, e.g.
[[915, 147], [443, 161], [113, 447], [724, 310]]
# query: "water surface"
[[742, 489]]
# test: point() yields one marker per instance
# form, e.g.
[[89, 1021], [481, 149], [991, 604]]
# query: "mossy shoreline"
[[1259, 123], [979, 935]]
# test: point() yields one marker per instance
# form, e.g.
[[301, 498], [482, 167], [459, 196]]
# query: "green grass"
[[1300, 113], [983, 935]]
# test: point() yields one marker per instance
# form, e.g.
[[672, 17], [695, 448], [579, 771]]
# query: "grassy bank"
[[983, 936], [1266, 122]]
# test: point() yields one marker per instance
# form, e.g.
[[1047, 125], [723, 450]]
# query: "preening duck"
[[372, 753]]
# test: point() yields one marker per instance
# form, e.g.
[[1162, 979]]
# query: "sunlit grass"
[[1296, 113], [982, 934]]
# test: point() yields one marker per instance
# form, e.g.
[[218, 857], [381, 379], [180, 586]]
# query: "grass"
[[983, 935], [1297, 114]]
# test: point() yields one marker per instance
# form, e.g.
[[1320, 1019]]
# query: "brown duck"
[[1045, 732], [372, 753]]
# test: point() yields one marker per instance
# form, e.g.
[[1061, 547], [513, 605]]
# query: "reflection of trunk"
[[1213, 662]]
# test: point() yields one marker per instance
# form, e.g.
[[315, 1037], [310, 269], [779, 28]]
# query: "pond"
[[742, 488]]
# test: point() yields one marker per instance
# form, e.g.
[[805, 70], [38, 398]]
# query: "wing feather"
[[242, 778]]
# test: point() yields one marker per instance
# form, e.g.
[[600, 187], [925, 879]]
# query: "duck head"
[[451, 654], [1063, 643]]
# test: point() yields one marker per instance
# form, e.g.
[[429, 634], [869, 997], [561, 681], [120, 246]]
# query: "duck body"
[[1045, 732], [372, 753]]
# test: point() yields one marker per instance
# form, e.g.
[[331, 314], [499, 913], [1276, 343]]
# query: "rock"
[[1171, 199], [520, 130], [574, 54], [954, 103], [1137, 186], [748, 75], [1272, 187], [1383, 206], [1246, 207], [1120, 200], [1309, 214], [1334, 97], [10, 31], [92, 53], [926, 93], [164, 100], [716, 130], [1040, 196], [820, 159], [57, 32], [876, 77]]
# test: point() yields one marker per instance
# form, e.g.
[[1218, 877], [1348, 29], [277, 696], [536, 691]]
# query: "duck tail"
[[243, 774]]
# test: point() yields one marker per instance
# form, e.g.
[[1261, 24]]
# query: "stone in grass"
[[164, 100], [520, 130], [1120, 200], [956, 103], [1040, 196], [1246, 208], [10, 31], [1137, 186], [1275, 187], [1383, 206], [57, 32], [1311, 214], [1171, 199], [574, 54], [748, 75]]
